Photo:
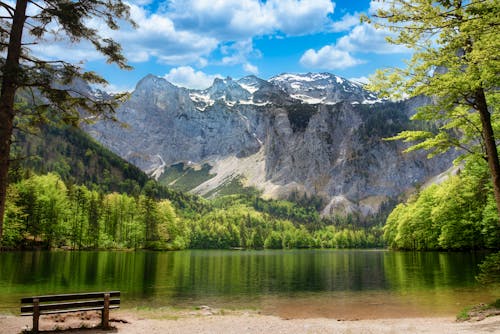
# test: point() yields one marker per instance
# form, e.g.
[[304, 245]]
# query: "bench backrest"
[[77, 301]]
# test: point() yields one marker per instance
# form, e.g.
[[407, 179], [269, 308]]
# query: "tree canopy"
[[46, 83], [455, 62], [458, 214]]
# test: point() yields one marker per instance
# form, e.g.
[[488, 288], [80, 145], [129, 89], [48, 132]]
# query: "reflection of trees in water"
[[198, 273], [170, 278], [430, 270]]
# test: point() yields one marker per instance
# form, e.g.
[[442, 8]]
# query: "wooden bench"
[[79, 302]]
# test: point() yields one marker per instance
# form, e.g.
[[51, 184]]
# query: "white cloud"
[[65, 50], [376, 5], [347, 22], [156, 37], [301, 17], [251, 68], [186, 76], [225, 20], [238, 52], [187, 32], [242, 19], [140, 2], [365, 38], [202, 62], [328, 57]]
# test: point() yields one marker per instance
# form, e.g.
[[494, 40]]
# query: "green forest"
[[458, 214], [44, 211], [67, 191]]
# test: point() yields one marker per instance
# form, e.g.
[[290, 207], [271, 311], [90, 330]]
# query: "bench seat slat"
[[70, 305], [73, 296], [111, 307]]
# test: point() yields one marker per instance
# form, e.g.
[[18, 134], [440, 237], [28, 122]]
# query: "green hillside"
[[76, 158]]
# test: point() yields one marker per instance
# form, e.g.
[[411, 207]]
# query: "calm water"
[[294, 283]]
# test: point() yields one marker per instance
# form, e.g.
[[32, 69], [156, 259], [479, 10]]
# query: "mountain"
[[314, 134], [322, 88]]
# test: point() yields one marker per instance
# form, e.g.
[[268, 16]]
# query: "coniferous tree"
[[30, 22]]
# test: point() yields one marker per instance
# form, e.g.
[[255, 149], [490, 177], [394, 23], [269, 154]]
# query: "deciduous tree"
[[456, 63]]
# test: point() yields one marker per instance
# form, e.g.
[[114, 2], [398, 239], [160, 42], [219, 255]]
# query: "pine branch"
[[8, 8]]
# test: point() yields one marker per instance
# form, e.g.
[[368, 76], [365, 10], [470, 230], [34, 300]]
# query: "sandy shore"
[[241, 322]]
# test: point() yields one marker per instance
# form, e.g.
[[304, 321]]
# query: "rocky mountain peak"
[[325, 88], [252, 83], [227, 89], [151, 81]]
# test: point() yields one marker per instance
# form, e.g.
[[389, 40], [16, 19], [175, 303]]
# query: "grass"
[[463, 315], [233, 187], [185, 178], [480, 311]]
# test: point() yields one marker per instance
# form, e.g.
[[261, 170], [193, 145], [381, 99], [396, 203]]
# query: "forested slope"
[[67, 191]]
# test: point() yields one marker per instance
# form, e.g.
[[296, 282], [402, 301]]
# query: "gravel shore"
[[206, 320]]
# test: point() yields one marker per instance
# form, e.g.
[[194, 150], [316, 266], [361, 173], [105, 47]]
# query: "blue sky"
[[190, 42]]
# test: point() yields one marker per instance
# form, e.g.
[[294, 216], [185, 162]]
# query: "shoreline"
[[207, 321]]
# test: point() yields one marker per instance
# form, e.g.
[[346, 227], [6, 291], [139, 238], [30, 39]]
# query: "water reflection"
[[245, 278]]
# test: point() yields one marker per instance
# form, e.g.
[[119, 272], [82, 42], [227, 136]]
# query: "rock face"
[[312, 133]]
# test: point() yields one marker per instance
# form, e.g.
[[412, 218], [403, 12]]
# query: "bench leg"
[[105, 312], [36, 314]]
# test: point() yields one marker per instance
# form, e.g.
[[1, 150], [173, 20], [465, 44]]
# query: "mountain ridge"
[[316, 134]]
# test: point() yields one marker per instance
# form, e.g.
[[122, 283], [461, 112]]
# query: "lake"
[[342, 284]]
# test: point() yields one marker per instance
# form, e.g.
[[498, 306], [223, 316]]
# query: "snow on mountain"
[[310, 88], [252, 83], [326, 88], [227, 89]]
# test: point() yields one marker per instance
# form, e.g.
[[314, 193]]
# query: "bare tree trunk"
[[490, 144], [10, 84]]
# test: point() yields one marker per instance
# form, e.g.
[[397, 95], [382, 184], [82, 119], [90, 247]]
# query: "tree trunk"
[[10, 84], [490, 144]]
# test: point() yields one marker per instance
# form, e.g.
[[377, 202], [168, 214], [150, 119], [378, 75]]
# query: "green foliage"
[[76, 158], [463, 315], [45, 208], [458, 214], [233, 187], [306, 214], [455, 46], [489, 272], [383, 122], [274, 240], [43, 211], [14, 216], [185, 178]]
